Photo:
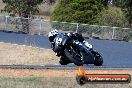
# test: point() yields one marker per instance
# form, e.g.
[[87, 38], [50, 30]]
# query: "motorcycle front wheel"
[[73, 56], [64, 60]]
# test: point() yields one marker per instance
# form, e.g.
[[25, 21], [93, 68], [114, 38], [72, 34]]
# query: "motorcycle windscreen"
[[57, 48]]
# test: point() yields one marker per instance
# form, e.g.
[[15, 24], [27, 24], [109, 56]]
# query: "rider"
[[79, 37], [73, 35]]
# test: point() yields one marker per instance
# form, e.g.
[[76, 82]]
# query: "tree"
[[113, 16], [126, 6], [23, 8], [81, 11], [50, 2]]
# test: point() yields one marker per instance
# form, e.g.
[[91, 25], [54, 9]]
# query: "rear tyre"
[[98, 60]]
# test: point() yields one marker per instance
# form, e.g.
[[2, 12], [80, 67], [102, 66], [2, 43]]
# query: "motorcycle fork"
[[77, 53]]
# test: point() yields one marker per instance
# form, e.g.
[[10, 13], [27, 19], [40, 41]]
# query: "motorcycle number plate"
[[58, 41]]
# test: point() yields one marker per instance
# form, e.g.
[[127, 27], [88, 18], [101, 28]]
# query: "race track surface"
[[115, 53]]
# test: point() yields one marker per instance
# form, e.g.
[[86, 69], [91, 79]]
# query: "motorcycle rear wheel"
[[98, 60]]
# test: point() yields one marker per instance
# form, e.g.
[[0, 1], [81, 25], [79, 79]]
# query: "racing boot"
[[88, 45]]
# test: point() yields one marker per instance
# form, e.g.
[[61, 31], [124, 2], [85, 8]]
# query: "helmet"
[[53, 34]]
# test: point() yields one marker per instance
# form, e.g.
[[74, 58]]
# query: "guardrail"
[[61, 67]]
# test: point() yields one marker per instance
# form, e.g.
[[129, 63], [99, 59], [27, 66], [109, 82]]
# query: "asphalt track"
[[115, 53]]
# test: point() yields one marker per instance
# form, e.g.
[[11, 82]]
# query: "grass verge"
[[52, 82], [18, 54]]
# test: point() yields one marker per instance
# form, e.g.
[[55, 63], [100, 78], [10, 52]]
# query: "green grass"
[[51, 82]]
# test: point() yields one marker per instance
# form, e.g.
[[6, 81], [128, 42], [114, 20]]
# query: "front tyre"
[[64, 61], [76, 59]]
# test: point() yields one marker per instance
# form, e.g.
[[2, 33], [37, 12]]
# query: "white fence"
[[42, 27]]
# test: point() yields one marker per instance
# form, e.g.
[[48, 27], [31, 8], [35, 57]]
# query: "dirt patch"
[[18, 54], [40, 73], [55, 73]]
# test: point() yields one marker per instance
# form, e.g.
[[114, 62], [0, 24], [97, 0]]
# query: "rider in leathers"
[[74, 35]]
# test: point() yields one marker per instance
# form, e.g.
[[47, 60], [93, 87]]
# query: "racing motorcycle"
[[73, 51]]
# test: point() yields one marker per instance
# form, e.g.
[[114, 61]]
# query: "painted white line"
[[22, 45]]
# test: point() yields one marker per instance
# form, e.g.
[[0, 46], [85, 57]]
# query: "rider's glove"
[[52, 45]]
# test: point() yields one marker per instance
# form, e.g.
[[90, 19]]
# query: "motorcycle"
[[73, 51]]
